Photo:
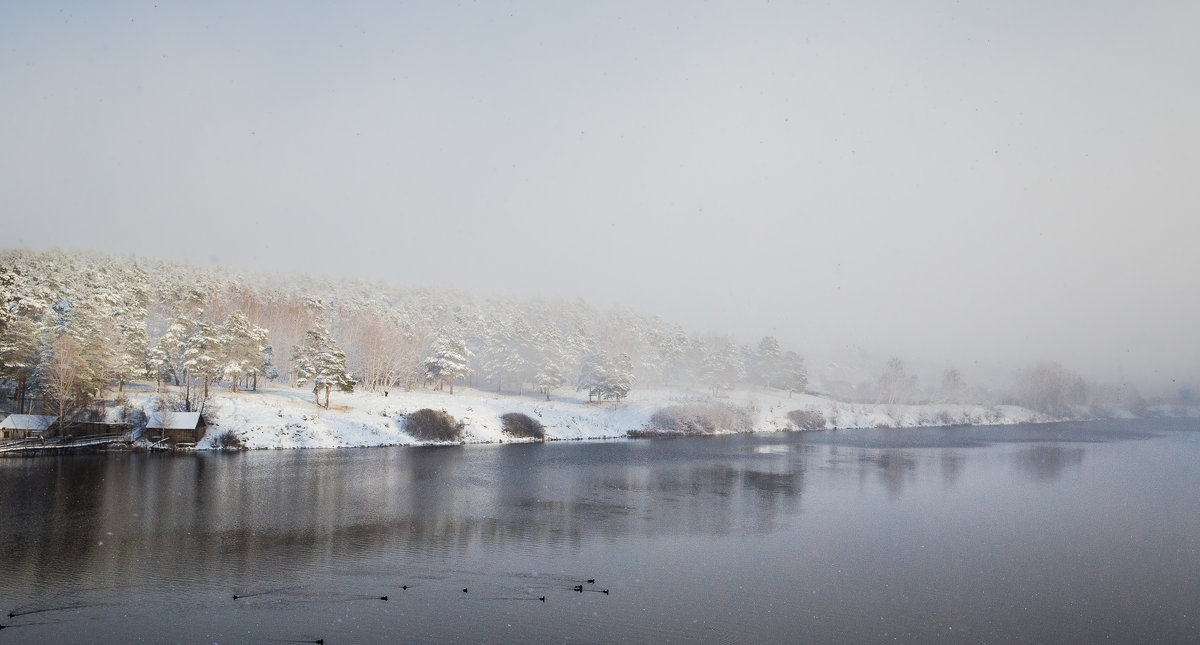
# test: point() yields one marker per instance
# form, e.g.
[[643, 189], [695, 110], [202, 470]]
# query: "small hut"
[[26, 426], [179, 427]]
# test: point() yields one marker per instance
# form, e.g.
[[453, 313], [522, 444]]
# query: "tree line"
[[73, 325]]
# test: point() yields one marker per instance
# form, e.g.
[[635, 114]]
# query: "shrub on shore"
[[433, 425], [523, 425], [228, 441], [694, 419], [807, 420]]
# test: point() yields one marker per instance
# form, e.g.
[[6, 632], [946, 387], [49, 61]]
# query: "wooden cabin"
[[180, 427], [26, 426]]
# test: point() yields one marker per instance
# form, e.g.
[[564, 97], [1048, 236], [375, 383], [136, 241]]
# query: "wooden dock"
[[60, 445]]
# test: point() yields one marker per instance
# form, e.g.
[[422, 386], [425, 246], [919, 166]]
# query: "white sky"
[[943, 181]]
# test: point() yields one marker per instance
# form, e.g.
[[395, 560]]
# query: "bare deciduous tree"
[[67, 382]]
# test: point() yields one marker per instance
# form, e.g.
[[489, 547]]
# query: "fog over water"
[[949, 183]]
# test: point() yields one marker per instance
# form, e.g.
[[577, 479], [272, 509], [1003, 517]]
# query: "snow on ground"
[[275, 417]]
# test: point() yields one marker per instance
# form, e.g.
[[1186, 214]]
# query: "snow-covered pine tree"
[[502, 358], [618, 379], [895, 385], [549, 377], [592, 374], [654, 360], [202, 354], [523, 365], [577, 345], [266, 357], [321, 362], [448, 361], [695, 354], [127, 338], [723, 367], [158, 365], [36, 285], [241, 348], [794, 374], [954, 388], [767, 366], [7, 288], [117, 296], [165, 360], [606, 378], [19, 356], [547, 345], [626, 332], [83, 323], [672, 351]]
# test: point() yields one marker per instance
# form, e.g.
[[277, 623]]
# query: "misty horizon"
[[951, 185], [849, 373]]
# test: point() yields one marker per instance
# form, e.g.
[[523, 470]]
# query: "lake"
[[1065, 533]]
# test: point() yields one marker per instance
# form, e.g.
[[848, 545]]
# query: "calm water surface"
[[1069, 533]]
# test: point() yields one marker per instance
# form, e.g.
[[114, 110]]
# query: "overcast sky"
[[943, 181]]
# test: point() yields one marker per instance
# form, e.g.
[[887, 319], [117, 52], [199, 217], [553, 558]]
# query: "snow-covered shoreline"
[[282, 418]]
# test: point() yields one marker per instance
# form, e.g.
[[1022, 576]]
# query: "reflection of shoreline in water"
[[952, 463], [700, 540], [108, 514], [894, 467], [105, 516], [1046, 463]]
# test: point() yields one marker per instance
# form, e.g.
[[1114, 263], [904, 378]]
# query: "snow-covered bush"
[[945, 418], [228, 441], [807, 420], [433, 425], [523, 425], [700, 418]]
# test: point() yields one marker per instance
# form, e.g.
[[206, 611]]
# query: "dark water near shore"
[[1069, 533]]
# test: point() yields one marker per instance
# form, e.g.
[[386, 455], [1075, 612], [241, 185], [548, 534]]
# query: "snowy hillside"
[[288, 418], [77, 328]]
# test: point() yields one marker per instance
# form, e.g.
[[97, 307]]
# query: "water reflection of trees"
[[952, 463], [246, 514], [1046, 463], [894, 468], [276, 512]]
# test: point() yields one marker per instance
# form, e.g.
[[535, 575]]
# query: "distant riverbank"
[[282, 418]]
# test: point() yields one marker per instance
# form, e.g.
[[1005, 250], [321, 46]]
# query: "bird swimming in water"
[[592, 581], [579, 588]]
